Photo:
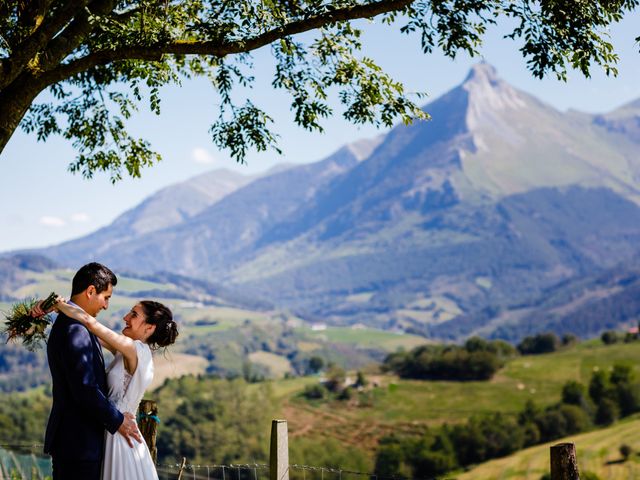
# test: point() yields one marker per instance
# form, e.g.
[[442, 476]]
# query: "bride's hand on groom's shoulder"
[[59, 300], [37, 311], [129, 429]]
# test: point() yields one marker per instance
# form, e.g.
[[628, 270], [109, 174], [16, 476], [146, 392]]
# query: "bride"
[[148, 326]]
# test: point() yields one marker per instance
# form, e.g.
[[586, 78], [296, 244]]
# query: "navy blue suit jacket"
[[81, 410]]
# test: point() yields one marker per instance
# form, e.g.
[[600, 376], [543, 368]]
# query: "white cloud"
[[202, 155], [80, 217], [49, 221]]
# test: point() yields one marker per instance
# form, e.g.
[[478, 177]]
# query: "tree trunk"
[[15, 101]]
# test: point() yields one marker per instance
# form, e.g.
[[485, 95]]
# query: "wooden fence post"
[[148, 425], [182, 465], [564, 464], [279, 452]]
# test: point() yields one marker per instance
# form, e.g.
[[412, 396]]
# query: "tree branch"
[[217, 49], [26, 50], [74, 34]]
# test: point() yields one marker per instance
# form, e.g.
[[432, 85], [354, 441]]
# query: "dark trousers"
[[68, 469]]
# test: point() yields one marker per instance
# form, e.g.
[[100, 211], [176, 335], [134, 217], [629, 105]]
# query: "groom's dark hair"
[[94, 274]]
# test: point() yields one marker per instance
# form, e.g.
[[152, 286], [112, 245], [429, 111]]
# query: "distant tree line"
[[545, 343], [608, 396], [23, 418], [21, 369], [609, 337], [477, 359]]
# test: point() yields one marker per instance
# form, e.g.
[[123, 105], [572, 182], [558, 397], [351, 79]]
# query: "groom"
[[81, 410]]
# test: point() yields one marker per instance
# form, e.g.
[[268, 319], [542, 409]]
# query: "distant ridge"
[[439, 224]]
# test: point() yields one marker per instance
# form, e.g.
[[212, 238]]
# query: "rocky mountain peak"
[[489, 96], [482, 72]]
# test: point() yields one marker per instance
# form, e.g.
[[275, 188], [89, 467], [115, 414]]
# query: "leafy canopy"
[[100, 59]]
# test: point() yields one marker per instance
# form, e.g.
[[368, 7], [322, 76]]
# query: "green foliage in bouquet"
[[20, 324]]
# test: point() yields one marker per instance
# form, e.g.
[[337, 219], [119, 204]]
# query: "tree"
[[99, 59], [336, 378], [607, 412], [574, 393], [610, 337], [315, 364], [540, 343]]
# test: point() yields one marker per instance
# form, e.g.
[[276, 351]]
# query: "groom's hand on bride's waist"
[[129, 429]]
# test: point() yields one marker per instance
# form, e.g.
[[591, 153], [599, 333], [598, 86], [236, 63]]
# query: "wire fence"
[[26, 461], [249, 471], [258, 471]]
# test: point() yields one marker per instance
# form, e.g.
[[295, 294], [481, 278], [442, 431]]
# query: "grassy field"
[[174, 365], [277, 364], [365, 338], [398, 405], [597, 452]]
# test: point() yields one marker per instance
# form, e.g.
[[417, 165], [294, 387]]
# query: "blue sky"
[[43, 204]]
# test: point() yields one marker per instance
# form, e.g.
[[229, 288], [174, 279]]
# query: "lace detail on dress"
[[126, 390]]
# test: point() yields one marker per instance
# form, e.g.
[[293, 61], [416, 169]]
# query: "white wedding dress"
[[121, 462]]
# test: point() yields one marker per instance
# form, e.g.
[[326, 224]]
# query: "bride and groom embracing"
[[92, 432]]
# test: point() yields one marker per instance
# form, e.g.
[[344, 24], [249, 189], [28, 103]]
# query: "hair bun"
[[166, 328]]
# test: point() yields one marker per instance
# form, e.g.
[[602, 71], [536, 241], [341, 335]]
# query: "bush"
[[599, 387], [432, 464], [628, 398], [336, 377], [625, 451], [477, 360], [315, 364], [537, 344], [573, 393], [345, 394], [389, 457], [361, 380], [606, 412], [314, 392], [610, 337]]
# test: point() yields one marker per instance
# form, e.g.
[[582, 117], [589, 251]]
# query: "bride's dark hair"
[[166, 328]]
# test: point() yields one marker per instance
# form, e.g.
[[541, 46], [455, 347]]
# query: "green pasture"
[[597, 452], [44, 283], [277, 364], [364, 338], [230, 314], [136, 285], [59, 281], [400, 402]]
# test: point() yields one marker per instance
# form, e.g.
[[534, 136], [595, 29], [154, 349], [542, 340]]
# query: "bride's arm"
[[106, 345], [115, 340]]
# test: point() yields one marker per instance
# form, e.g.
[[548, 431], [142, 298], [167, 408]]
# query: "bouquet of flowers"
[[20, 324]]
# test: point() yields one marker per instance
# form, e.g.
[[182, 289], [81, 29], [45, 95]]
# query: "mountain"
[[585, 306], [166, 208], [624, 121], [218, 231], [15, 271], [494, 201]]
